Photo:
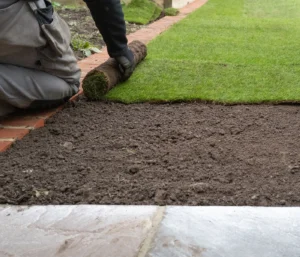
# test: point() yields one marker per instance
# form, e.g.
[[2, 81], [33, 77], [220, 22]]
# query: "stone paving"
[[151, 231]]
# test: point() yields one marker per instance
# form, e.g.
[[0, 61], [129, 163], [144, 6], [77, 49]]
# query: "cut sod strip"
[[141, 11], [229, 51]]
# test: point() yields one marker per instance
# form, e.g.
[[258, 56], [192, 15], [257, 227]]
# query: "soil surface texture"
[[83, 26], [180, 154]]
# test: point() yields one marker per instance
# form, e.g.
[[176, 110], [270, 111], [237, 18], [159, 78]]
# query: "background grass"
[[171, 11], [225, 52], [141, 11], [273, 8]]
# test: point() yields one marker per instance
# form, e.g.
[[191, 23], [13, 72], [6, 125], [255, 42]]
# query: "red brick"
[[49, 113], [43, 114], [87, 66], [95, 57], [4, 146], [96, 62], [74, 97], [193, 6], [86, 69], [83, 74], [13, 133], [27, 122], [90, 60]]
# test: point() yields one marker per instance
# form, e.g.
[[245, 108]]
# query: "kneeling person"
[[38, 68]]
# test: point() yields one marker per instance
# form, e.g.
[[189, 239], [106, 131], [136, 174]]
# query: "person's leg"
[[26, 88], [6, 109]]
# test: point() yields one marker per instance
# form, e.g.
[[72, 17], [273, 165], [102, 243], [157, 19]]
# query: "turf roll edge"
[[103, 78]]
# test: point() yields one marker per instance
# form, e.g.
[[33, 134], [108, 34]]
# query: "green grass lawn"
[[228, 51], [141, 11]]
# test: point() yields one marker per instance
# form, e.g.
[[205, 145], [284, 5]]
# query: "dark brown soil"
[[82, 26], [187, 154]]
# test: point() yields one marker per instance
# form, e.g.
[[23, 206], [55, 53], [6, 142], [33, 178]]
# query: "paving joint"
[[17, 127], [147, 244], [7, 139]]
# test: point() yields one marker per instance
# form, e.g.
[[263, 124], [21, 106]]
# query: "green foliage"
[[141, 11], [156, 14], [56, 4], [224, 52], [171, 11], [84, 46]]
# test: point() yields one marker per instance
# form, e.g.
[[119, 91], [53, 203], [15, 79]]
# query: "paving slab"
[[71, 231], [149, 231], [228, 232]]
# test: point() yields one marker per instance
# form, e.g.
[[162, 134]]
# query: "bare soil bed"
[[180, 154]]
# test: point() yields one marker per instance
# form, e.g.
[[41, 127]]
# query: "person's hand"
[[126, 64]]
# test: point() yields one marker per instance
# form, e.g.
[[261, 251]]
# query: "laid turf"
[[171, 11], [229, 51], [141, 11]]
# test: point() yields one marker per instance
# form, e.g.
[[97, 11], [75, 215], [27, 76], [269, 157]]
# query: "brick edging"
[[15, 127]]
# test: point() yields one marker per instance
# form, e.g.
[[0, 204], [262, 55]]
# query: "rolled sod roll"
[[107, 75]]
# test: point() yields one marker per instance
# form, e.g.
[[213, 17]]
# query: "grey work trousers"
[[27, 88]]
